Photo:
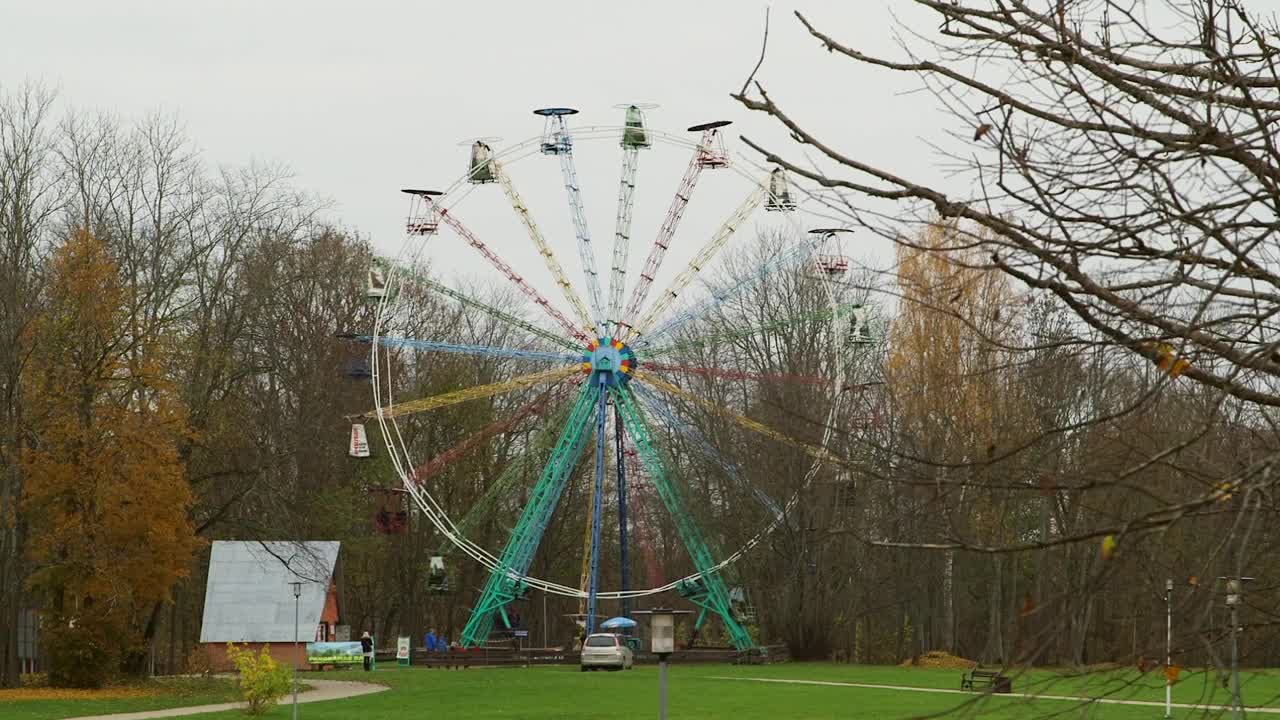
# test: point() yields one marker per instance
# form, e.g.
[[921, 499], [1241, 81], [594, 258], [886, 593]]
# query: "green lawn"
[[171, 692], [564, 692]]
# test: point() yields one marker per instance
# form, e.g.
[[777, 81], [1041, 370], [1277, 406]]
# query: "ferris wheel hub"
[[609, 361]]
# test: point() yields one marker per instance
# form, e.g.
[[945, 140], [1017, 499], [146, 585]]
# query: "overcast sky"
[[360, 99]]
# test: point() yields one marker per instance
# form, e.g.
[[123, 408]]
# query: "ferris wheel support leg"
[[506, 581], [597, 510], [623, 556], [708, 590]]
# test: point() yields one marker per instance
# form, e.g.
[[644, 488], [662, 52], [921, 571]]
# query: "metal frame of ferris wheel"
[[602, 371]]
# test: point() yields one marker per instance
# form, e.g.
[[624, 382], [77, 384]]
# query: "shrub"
[[33, 680], [263, 681], [80, 656]]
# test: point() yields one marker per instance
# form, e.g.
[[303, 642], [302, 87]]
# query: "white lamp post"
[[1168, 648], [1235, 590], [662, 642], [297, 595]]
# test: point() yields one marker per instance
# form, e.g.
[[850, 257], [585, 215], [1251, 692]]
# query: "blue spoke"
[[720, 295], [480, 350], [656, 405]]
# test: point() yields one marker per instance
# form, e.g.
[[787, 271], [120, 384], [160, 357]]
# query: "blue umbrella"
[[618, 622]]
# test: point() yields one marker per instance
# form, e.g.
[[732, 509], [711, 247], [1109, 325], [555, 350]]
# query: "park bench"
[[979, 678]]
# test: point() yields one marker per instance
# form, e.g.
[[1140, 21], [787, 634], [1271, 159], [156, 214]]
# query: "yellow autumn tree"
[[106, 497], [944, 367]]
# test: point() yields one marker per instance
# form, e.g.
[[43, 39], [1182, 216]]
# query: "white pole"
[[1168, 648], [297, 593], [662, 686]]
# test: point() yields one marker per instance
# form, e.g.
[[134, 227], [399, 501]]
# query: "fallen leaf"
[[1108, 547]]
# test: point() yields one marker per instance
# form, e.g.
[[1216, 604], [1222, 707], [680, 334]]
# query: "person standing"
[[366, 647], [430, 640]]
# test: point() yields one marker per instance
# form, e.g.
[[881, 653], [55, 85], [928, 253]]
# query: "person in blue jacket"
[[430, 640]]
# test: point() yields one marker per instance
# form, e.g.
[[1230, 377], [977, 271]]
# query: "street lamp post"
[[662, 642], [1235, 592], [1168, 648], [297, 596]]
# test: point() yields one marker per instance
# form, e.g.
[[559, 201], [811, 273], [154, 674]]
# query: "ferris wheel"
[[606, 383]]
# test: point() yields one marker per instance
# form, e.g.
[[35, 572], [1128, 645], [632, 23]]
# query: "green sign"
[[334, 653]]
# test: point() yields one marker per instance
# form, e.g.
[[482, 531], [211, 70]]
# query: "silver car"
[[606, 650]]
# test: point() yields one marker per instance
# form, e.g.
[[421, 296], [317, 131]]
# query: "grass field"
[[696, 692], [47, 704]]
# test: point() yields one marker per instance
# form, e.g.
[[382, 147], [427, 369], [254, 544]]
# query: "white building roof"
[[249, 597]]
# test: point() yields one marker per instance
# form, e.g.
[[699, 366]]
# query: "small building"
[[249, 599]]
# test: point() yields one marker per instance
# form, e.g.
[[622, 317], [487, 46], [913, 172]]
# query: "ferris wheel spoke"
[[509, 478], [507, 271], [659, 407], [532, 408], [490, 310], [454, 397], [798, 252], [708, 154], [709, 591], [727, 374], [817, 453], [506, 580], [557, 140], [634, 139], [702, 341], [540, 242], [700, 261], [475, 350]]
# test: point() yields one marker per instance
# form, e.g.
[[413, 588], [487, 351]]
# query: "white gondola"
[[859, 332], [422, 225], [779, 192], [481, 164], [359, 447], [437, 575], [376, 287]]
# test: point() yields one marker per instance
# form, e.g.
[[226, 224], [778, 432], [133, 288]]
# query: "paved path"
[[320, 690], [1023, 696]]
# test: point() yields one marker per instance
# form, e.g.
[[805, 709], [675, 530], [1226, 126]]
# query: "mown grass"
[[697, 692], [51, 703]]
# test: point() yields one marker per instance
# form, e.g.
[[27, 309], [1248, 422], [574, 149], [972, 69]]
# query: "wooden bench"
[[993, 679]]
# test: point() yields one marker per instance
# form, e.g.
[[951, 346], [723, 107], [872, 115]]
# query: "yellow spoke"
[[812, 450], [475, 393]]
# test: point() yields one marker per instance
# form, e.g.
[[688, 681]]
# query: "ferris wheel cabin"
[[634, 134], [711, 152], [555, 135], [425, 223], [831, 260], [480, 170], [779, 192]]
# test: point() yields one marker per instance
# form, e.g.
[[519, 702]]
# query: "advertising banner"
[[334, 653], [402, 650]]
